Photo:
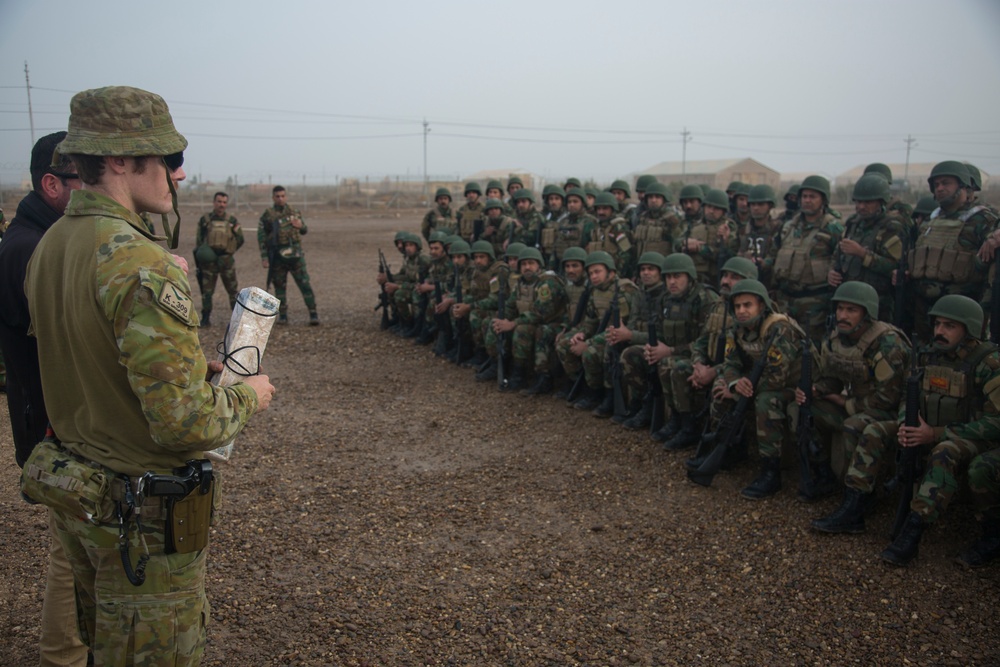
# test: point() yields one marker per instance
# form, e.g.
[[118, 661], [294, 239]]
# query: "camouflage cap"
[[120, 121]]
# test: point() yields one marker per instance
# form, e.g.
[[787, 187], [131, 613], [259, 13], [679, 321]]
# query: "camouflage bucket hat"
[[120, 121]]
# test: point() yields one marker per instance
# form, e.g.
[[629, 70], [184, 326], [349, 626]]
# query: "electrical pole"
[[686, 136], [910, 143], [31, 116], [427, 130]]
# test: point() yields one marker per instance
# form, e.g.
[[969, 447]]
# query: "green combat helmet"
[[744, 189], [121, 121], [577, 192], [514, 180], [605, 199], [960, 309], [514, 250], [644, 182], [716, 198], [460, 247], [485, 248], [680, 262], [451, 239], [872, 187], [734, 187], [762, 194], [858, 293], [493, 203], [574, 254], [925, 206], [573, 182], [658, 188], [623, 186], [438, 237], [442, 192], [524, 193], [950, 168], [653, 259], [472, 186], [793, 191], [751, 286], [975, 177], [600, 257], [530, 253], [592, 192], [494, 184], [741, 266], [553, 189], [691, 192], [817, 184], [881, 169], [204, 255], [414, 238]]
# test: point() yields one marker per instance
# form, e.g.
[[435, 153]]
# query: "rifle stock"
[[652, 375], [502, 338], [909, 457], [581, 381], [614, 358], [807, 445]]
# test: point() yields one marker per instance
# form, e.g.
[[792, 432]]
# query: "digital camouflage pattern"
[[656, 231], [225, 264], [276, 233]]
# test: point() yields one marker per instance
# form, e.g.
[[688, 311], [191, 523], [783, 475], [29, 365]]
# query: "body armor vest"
[[707, 233], [753, 349], [654, 234], [467, 217], [795, 263], [573, 294], [220, 236], [948, 393], [869, 235], [716, 324], [287, 235], [849, 363], [439, 222], [569, 233], [525, 296], [678, 325], [601, 298], [938, 255]]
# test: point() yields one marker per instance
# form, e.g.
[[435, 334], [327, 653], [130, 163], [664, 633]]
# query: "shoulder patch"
[[774, 356], [883, 370], [173, 299], [544, 292]]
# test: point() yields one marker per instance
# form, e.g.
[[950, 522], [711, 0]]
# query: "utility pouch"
[[190, 496], [56, 478]]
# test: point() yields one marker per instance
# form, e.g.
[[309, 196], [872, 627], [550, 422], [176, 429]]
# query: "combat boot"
[[488, 373], [986, 550], [849, 517], [687, 437], [670, 429], [441, 344], [641, 417], [768, 482], [479, 357], [516, 381], [906, 545], [591, 398], [282, 318], [566, 388], [313, 318], [634, 408], [416, 328], [823, 484], [404, 326], [607, 406], [543, 385], [206, 318], [428, 334]]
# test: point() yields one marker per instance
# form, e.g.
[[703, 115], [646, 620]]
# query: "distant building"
[[716, 173]]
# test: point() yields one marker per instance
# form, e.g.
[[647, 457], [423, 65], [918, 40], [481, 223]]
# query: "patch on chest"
[[174, 300]]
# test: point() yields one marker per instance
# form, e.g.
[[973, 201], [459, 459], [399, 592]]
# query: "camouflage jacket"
[[126, 325], [784, 359], [714, 251], [884, 238], [529, 233], [538, 301], [600, 300], [409, 273], [276, 232], [486, 286], [649, 307], [470, 216], [683, 317], [802, 254], [614, 237], [944, 258], [438, 219], [656, 231]]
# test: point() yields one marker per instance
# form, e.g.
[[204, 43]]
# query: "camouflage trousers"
[[810, 312], [830, 418], [224, 267], [591, 362], [984, 482], [673, 373], [878, 440], [161, 623], [770, 410], [491, 340], [531, 345], [296, 266], [479, 321], [403, 297]]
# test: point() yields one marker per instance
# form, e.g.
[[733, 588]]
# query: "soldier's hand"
[[800, 396], [296, 223], [618, 335], [693, 245], [721, 392], [836, 399], [183, 262], [577, 338], [914, 436], [895, 271], [724, 232], [833, 278], [744, 387], [265, 263], [853, 248], [702, 376], [577, 347], [653, 355], [381, 279], [989, 247], [263, 388], [390, 288], [213, 368]]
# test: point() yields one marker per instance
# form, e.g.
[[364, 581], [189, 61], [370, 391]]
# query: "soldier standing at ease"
[[611, 233], [471, 217], [279, 236], [802, 256], [573, 229], [709, 236], [440, 218], [658, 225], [757, 237], [218, 238]]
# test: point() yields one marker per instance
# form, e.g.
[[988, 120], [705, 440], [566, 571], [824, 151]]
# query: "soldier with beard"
[[641, 184], [740, 205], [621, 192], [901, 210], [514, 183], [494, 190], [496, 222], [757, 237], [709, 236], [572, 229], [791, 199], [873, 242], [658, 226], [472, 215], [526, 228], [611, 233], [479, 298], [440, 218]]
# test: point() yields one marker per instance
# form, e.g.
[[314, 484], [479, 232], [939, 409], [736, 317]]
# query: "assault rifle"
[[502, 338], [581, 381], [707, 437], [385, 302], [804, 434], [461, 324], [899, 303], [909, 457], [995, 302], [443, 321], [731, 425], [652, 375], [421, 313], [614, 357]]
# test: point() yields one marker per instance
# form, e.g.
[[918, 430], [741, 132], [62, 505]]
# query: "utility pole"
[[427, 130], [686, 136], [31, 116], [910, 144]]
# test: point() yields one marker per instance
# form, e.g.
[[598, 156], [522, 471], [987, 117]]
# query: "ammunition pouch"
[[57, 478]]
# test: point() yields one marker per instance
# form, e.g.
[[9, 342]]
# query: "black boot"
[[640, 418], [488, 373], [591, 399], [428, 334], [416, 328], [635, 406], [906, 545], [479, 357], [517, 379], [543, 385], [822, 485], [206, 318], [986, 550], [849, 517], [313, 318], [404, 327], [282, 318], [672, 428], [768, 482], [607, 405], [463, 353], [567, 386], [687, 437]]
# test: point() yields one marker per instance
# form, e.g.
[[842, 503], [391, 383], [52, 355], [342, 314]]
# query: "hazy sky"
[[588, 89]]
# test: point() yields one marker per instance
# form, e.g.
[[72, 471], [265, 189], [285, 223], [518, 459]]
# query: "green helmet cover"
[[960, 309], [653, 259], [494, 184], [926, 205], [605, 199], [472, 186], [717, 198], [524, 193], [459, 247], [762, 194], [644, 182], [574, 254], [817, 183], [691, 192], [975, 177], [734, 186], [872, 187], [879, 168], [484, 247], [742, 267], [680, 262], [204, 254], [530, 253], [658, 188], [577, 192], [950, 168], [859, 293], [623, 186], [514, 180], [514, 249], [572, 182], [751, 286], [493, 203], [442, 192], [600, 257]]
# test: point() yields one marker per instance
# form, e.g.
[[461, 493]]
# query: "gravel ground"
[[388, 510]]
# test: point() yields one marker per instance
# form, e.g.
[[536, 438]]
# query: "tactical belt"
[[152, 507]]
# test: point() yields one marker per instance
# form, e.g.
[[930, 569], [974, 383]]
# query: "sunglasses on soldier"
[[174, 161]]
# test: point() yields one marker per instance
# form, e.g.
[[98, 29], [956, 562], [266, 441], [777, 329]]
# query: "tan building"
[[716, 173]]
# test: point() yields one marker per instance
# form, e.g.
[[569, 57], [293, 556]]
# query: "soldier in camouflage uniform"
[[535, 312], [123, 327], [755, 317], [621, 192], [471, 217], [582, 348], [440, 218], [874, 240], [514, 183], [611, 233], [279, 237], [463, 271], [573, 229], [944, 259], [893, 205], [553, 210], [984, 483], [527, 226], [791, 200], [577, 287], [802, 256], [439, 271], [641, 184], [635, 369], [959, 420], [740, 204], [494, 190], [757, 237], [658, 225], [496, 222], [479, 299], [223, 236], [709, 237], [402, 288], [859, 381]]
